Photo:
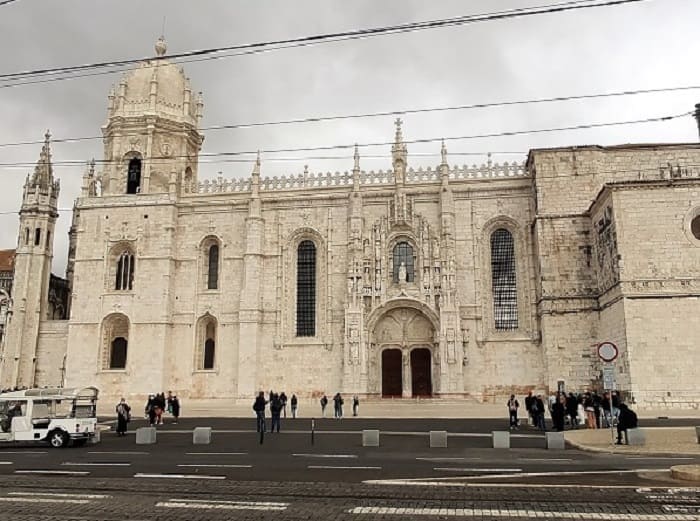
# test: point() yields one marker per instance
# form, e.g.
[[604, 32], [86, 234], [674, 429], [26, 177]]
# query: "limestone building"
[[442, 281]]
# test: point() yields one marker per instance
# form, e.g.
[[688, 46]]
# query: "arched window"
[[37, 236], [115, 341], [205, 351], [306, 289], [125, 272], [505, 295], [213, 267], [117, 355], [26, 236], [133, 182], [403, 254]]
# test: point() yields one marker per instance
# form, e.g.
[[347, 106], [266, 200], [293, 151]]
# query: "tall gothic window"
[[209, 346], [205, 347], [505, 295], [115, 341], [306, 289], [213, 267], [403, 254], [133, 182], [125, 272]]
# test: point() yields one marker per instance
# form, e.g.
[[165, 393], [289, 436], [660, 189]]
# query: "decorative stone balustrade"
[[381, 177]]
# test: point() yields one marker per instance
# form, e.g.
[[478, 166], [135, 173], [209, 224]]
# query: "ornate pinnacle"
[[356, 157], [443, 153], [256, 167], [399, 135]]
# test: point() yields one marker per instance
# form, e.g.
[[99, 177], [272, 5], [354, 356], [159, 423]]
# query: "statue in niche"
[[436, 248], [402, 273]]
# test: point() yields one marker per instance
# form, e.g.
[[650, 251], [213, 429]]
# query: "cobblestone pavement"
[[49, 499]]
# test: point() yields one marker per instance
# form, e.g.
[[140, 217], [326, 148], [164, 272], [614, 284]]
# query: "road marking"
[[124, 452], [177, 476], [548, 460], [325, 455], [474, 469], [564, 473], [44, 500], [25, 452], [231, 502], [448, 482], [59, 472], [438, 460], [659, 457], [87, 464], [216, 466], [331, 467], [56, 494], [220, 505], [216, 453], [6, 463], [501, 513]]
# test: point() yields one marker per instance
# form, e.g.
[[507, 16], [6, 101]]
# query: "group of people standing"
[[278, 408], [338, 403], [588, 409], [156, 406]]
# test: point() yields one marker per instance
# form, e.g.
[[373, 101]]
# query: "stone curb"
[[603, 450], [686, 472]]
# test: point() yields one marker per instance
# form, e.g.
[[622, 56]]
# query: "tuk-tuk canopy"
[[53, 393]]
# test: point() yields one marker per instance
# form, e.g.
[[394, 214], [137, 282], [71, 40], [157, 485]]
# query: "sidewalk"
[[668, 441], [374, 408]]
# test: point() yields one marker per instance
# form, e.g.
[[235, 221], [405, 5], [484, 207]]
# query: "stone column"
[[406, 391]]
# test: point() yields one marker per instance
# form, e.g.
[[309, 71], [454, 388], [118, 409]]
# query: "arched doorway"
[[421, 380], [392, 383], [397, 333]]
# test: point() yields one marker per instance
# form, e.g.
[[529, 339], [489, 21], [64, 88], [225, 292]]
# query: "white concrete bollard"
[[555, 440], [96, 438], [370, 438], [500, 439], [145, 435], [438, 439], [635, 437], [201, 436]]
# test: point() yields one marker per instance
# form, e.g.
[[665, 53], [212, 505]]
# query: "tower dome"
[[156, 87]]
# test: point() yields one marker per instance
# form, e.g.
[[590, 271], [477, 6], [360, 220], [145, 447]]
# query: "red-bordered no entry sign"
[[607, 351]]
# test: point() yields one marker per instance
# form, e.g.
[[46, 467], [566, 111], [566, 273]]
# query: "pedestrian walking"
[[513, 411], [539, 412], [151, 415], [355, 405], [572, 410], [294, 402], [283, 399], [558, 412], [259, 408], [275, 411], [123, 417], [324, 402], [626, 420], [175, 408]]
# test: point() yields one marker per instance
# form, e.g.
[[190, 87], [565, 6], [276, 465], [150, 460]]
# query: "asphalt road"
[[286, 477]]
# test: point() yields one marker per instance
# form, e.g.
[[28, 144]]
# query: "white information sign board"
[[609, 377]]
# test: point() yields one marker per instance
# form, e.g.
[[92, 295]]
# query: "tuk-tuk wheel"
[[58, 438]]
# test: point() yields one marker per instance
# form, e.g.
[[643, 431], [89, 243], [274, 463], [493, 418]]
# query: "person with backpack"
[[275, 412], [123, 417], [513, 411], [338, 406], [259, 408]]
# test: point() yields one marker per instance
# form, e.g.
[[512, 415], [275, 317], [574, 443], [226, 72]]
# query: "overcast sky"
[[636, 46]]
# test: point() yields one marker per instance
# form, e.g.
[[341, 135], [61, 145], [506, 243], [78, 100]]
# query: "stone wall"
[[51, 351]]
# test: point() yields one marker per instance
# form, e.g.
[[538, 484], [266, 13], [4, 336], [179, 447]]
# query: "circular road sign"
[[607, 351]]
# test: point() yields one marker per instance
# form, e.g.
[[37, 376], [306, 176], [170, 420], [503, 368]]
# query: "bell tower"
[[152, 132], [37, 219]]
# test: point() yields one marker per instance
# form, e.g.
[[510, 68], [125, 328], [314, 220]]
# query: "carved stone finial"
[[399, 135], [356, 157], [256, 166], [161, 46], [443, 153]]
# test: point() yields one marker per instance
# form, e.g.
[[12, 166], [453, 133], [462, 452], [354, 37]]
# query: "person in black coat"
[[259, 408], [572, 410], [175, 408], [275, 411], [627, 420], [558, 412]]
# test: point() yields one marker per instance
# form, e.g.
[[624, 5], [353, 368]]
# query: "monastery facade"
[[448, 281]]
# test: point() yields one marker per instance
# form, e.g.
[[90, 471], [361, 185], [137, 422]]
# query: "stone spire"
[[444, 167], [254, 210], [356, 170], [43, 171], [399, 151]]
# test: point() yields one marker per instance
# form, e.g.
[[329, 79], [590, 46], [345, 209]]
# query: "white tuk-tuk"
[[54, 415]]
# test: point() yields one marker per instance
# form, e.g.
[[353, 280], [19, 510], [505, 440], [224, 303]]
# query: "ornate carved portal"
[[404, 340]]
